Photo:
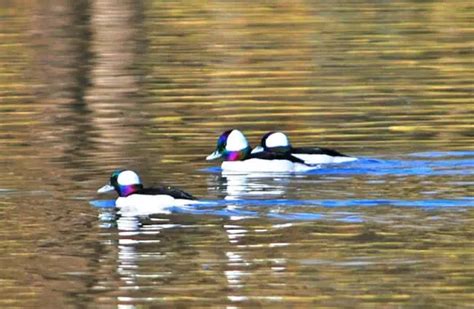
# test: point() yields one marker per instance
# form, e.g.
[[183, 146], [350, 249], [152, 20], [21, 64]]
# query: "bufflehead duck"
[[233, 148], [277, 142], [132, 194]]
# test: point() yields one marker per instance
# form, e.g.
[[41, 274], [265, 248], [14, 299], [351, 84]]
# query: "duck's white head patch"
[[236, 141], [126, 178], [277, 139]]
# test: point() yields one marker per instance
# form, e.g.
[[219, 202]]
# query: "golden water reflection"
[[89, 86]]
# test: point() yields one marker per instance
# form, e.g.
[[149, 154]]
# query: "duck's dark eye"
[[222, 141], [114, 177]]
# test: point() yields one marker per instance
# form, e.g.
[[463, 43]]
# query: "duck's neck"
[[237, 155], [125, 191]]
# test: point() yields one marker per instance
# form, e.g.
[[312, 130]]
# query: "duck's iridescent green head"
[[231, 146], [274, 142], [124, 182], [114, 177]]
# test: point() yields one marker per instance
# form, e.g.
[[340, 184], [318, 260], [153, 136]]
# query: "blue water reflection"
[[239, 209], [233, 211], [264, 195], [453, 163]]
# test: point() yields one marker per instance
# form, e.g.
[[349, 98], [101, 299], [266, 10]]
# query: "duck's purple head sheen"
[[126, 190], [236, 155], [273, 141], [231, 146], [124, 182]]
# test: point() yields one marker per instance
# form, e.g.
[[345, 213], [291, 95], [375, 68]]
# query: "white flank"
[[261, 165], [322, 158], [142, 204]]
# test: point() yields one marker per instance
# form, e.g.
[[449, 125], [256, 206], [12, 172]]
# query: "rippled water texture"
[[90, 86]]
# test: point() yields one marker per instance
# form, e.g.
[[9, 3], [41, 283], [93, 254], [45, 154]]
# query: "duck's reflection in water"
[[138, 250], [237, 186], [217, 242], [152, 251]]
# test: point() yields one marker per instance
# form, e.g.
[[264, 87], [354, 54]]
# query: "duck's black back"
[[174, 192], [270, 155], [317, 150]]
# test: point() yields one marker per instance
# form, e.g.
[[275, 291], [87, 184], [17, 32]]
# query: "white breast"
[[321, 158], [261, 165]]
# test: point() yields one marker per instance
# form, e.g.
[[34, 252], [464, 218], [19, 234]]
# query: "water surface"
[[88, 87]]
